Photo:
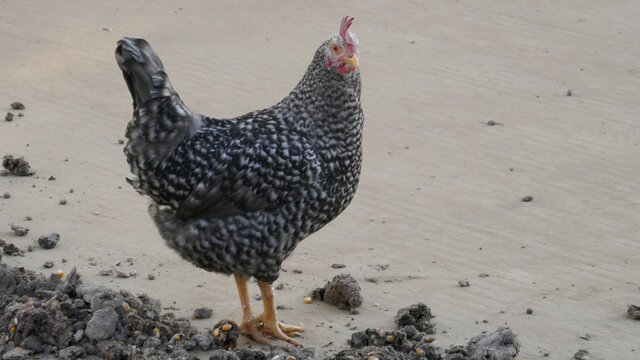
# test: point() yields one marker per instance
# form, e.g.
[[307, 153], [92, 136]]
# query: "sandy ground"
[[439, 199]]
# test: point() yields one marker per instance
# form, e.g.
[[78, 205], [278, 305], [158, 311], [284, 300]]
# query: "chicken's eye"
[[335, 48]]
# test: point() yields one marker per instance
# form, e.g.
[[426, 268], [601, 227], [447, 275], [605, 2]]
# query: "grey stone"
[[16, 354], [102, 324], [89, 290], [71, 353], [502, 344]]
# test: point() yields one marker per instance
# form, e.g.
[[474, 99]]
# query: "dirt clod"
[[225, 334], [18, 167], [527, 198], [338, 266], [342, 291], [464, 283], [634, 312], [6, 195], [50, 314], [17, 105], [49, 241], [418, 315], [9, 116], [581, 355], [19, 230], [202, 313], [12, 250]]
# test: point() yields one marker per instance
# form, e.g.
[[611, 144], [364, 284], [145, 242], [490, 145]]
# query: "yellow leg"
[[270, 324], [250, 325]]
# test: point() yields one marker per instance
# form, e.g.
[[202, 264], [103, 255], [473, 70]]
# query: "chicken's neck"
[[325, 107]]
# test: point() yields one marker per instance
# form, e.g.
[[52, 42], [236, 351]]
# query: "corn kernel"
[[375, 304], [390, 338], [60, 272], [291, 358], [156, 332], [216, 332], [127, 307], [230, 346], [419, 351], [430, 339], [176, 336], [308, 300], [226, 327], [13, 329]]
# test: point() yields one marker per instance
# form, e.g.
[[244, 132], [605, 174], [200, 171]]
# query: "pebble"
[[9, 117], [49, 241], [581, 355], [6, 195], [63, 202], [202, 313], [585, 336], [569, 92], [529, 311], [464, 283], [527, 198], [338, 266], [151, 277], [19, 230], [121, 274], [105, 273], [48, 264], [17, 105]]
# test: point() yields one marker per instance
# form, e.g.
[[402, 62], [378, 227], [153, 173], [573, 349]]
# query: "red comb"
[[344, 26]]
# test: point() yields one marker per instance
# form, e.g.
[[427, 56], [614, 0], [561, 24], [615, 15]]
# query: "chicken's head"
[[342, 49]]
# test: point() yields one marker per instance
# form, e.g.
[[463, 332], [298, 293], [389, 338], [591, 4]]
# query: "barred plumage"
[[237, 195]]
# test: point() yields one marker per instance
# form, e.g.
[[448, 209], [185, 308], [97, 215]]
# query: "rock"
[[464, 283], [71, 353], [116, 350], [102, 324], [12, 250], [203, 341], [17, 105], [223, 355], [581, 355], [286, 353], [202, 313], [634, 312], [6, 195], [225, 334], [9, 116], [19, 166], [16, 354], [502, 344], [49, 241], [89, 290], [418, 315], [343, 291], [338, 266]]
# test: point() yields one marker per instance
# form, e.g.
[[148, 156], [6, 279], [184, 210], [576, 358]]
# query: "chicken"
[[235, 196]]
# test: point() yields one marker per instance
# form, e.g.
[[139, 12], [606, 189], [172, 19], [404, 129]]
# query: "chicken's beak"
[[353, 61]]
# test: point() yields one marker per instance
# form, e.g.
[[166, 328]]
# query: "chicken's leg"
[[270, 324], [250, 325]]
